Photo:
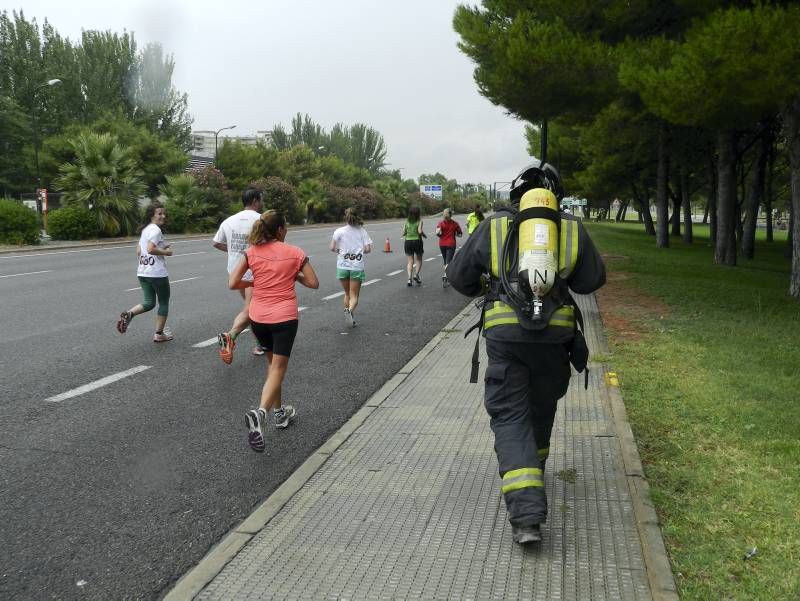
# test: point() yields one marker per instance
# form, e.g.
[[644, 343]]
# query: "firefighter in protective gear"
[[530, 343]]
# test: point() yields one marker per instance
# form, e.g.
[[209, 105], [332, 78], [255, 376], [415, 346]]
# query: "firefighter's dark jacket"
[[475, 258]]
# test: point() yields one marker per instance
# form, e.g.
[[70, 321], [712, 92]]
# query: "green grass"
[[711, 388]]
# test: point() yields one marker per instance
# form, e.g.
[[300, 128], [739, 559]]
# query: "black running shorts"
[[276, 338], [413, 247]]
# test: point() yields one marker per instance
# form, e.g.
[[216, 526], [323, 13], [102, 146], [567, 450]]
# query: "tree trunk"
[[725, 247], [740, 204], [618, 216], [791, 124], [662, 177], [644, 203], [675, 218], [711, 205], [768, 192], [687, 205], [755, 194], [709, 201]]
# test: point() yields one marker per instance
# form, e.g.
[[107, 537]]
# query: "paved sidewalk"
[[404, 502]]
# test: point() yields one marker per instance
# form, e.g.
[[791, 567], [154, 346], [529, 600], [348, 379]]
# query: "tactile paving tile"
[[409, 506]]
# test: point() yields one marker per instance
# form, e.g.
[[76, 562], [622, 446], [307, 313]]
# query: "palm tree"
[[185, 201], [105, 179]]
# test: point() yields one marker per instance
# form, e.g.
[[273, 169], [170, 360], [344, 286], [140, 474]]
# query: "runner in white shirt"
[[152, 274], [351, 243], [232, 238]]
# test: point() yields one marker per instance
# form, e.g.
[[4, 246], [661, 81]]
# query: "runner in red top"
[[447, 230], [273, 312]]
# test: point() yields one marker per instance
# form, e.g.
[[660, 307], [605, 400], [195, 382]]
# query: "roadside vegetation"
[[99, 122], [708, 359]]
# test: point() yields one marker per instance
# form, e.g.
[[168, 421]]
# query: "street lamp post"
[[47, 84], [216, 135]]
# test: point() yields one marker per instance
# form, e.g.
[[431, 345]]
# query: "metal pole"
[[544, 141], [216, 135]]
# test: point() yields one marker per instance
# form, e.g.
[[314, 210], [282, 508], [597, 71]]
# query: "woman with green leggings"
[[152, 272]]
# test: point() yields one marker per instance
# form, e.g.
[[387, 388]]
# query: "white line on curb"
[[96, 384], [13, 275]]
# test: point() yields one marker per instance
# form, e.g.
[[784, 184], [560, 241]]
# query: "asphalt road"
[[116, 492]]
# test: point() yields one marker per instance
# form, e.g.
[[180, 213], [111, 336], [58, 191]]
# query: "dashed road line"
[[197, 277], [395, 272], [213, 340], [13, 275], [96, 384], [330, 296], [200, 252], [370, 282], [430, 259]]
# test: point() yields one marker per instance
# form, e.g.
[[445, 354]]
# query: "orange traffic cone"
[[387, 248]]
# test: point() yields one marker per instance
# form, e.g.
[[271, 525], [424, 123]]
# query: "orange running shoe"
[[226, 346]]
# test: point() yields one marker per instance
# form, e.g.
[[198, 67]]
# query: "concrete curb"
[[91, 244], [194, 581], [656, 559]]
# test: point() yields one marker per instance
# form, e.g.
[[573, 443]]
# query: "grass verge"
[[708, 359]]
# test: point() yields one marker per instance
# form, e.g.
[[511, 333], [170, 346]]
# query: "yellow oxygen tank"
[[538, 244]]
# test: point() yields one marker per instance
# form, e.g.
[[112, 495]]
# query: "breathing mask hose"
[[514, 296]]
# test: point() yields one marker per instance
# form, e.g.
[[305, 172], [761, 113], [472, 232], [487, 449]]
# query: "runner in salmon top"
[[273, 313]]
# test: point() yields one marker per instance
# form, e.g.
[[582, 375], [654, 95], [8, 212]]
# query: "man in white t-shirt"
[[232, 238]]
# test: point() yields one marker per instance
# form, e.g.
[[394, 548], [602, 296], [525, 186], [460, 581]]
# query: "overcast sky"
[[391, 64]]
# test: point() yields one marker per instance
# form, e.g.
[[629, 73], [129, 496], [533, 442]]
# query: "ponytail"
[[352, 218], [266, 228]]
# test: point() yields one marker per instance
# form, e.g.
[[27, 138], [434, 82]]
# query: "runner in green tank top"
[[412, 232]]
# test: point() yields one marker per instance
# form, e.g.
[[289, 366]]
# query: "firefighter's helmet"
[[536, 175]]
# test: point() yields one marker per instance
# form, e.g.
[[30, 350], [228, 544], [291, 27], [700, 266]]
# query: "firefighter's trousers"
[[523, 384]]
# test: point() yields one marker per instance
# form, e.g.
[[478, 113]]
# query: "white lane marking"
[[197, 277], [302, 308], [330, 296], [370, 282], [395, 272], [213, 340], [200, 252], [13, 275], [96, 384], [432, 259], [205, 343]]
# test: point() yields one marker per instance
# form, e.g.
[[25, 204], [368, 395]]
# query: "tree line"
[[114, 130], [656, 102]]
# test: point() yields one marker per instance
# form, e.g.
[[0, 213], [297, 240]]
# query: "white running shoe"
[[281, 417]]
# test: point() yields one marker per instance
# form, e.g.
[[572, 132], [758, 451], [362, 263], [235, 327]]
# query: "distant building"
[[202, 153]]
